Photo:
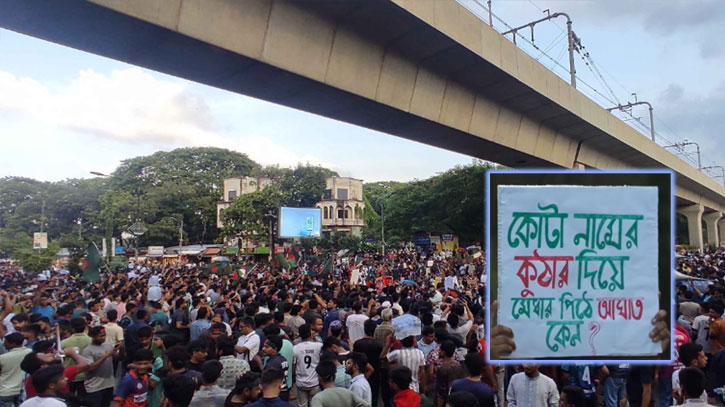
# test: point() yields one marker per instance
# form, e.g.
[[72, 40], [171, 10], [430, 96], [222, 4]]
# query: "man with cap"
[[385, 328], [336, 331], [274, 360]]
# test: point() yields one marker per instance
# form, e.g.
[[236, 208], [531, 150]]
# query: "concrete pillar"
[[711, 220], [694, 223], [722, 231]]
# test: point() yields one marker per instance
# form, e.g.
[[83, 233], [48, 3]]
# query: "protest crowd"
[[382, 330]]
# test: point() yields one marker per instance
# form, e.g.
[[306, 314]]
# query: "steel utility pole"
[[651, 116], [490, 14], [181, 235], [689, 143], [712, 167], [570, 36], [42, 215]]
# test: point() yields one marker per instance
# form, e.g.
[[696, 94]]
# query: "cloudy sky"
[[64, 113]]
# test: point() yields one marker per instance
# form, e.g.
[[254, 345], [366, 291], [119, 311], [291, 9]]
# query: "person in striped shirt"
[[408, 356]]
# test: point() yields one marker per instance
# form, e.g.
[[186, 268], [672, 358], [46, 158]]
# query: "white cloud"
[[133, 107], [128, 105], [269, 152]]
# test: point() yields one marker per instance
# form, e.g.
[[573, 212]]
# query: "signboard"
[[155, 251], [255, 250], [300, 222], [447, 236], [40, 240], [422, 241], [578, 265]]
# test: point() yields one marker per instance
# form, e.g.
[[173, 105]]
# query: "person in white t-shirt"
[[701, 328], [691, 355], [355, 323], [305, 358], [47, 381], [693, 383], [247, 344]]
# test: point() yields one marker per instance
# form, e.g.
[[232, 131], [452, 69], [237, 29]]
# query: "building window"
[[328, 194], [231, 195], [341, 193], [340, 213], [358, 212], [325, 213]]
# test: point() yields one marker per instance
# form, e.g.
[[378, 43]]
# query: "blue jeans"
[[614, 389], [664, 390], [9, 401]]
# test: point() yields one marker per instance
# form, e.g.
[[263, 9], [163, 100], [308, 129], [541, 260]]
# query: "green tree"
[[450, 202], [181, 184], [36, 260], [246, 217], [303, 187]]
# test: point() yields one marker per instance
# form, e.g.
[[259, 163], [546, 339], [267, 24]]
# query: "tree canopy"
[[177, 189]]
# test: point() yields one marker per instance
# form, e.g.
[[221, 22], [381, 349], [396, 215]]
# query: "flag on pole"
[[326, 267], [292, 259], [358, 259], [91, 264], [280, 261]]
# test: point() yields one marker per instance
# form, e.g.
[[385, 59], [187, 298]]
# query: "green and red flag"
[[92, 264], [280, 261]]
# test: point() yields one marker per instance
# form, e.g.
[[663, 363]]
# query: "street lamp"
[[382, 217], [271, 216]]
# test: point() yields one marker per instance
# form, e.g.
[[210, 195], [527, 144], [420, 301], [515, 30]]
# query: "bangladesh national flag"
[[313, 260], [292, 259], [92, 264], [326, 268], [220, 268], [280, 261]]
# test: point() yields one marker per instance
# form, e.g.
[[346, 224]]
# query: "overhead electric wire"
[[596, 69]]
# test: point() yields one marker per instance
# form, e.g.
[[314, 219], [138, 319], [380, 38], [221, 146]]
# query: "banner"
[[40, 240], [155, 251], [578, 265]]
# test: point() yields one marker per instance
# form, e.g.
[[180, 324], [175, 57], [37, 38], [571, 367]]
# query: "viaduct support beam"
[[711, 220], [694, 224], [722, 231]]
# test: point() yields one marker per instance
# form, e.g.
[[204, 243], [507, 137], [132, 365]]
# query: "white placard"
[[577, 268]]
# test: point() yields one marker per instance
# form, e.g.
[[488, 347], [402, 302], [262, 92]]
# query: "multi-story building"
[[342, 206], [236, 187]]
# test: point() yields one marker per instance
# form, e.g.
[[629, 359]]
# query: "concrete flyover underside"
[[426, 70]]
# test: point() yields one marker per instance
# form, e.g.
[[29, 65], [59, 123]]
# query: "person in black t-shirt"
[[614, 383], [271, 348], [198, 354], [639, 386], [372, 349]]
